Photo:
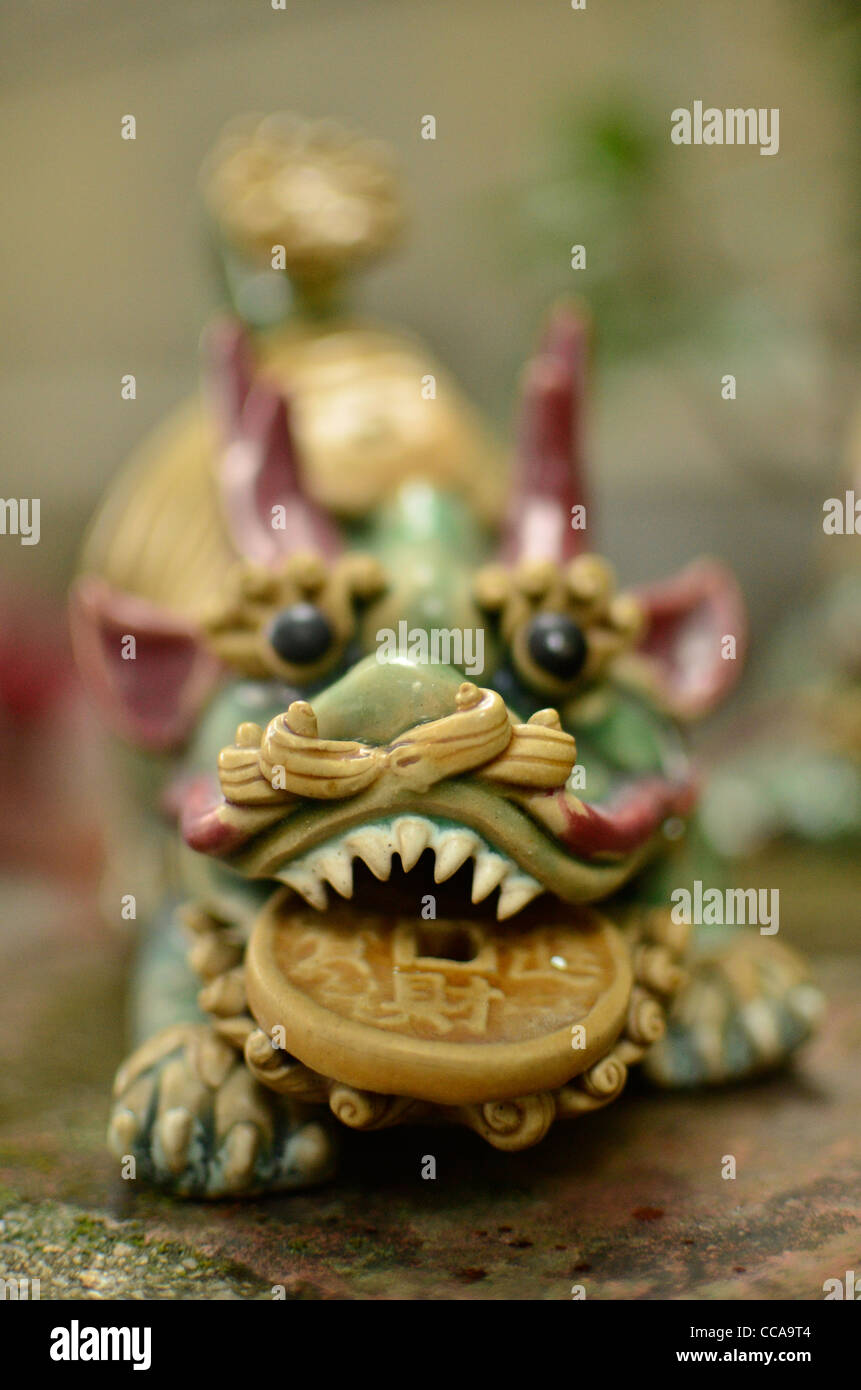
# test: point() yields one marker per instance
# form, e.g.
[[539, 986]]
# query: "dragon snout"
[[289, 760]]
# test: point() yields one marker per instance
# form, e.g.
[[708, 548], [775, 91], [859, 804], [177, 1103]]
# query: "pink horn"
[[228, 370], [265, 508], [549, 468]]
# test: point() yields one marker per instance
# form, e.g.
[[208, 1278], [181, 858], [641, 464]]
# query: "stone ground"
[[628, 1202]]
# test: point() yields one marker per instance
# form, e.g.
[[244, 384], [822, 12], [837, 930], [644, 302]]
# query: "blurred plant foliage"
[[703, 262], [656, 273]]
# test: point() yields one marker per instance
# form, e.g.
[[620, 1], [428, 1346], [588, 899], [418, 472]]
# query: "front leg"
[[189, 1112], [748, 1004], [748, 1000]]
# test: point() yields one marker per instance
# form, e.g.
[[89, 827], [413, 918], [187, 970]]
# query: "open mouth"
[[410, 983], [422, 853], [474, 786], [513, 852]]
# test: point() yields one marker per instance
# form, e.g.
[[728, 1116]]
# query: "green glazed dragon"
[[409, 801]]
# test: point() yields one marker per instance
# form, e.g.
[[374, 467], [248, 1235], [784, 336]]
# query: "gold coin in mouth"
[[453, 1012]]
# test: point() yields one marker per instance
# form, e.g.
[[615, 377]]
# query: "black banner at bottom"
[[262, 1338]]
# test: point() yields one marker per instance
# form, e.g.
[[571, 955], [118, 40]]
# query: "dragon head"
[[417, 716]]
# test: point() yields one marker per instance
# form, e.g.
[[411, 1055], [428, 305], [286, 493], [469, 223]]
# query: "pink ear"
[[682, 657], [154, 698]]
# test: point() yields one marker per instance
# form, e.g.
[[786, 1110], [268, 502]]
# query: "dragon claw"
[[197, 1123]]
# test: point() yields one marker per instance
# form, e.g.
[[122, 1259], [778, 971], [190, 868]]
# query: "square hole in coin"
[[447, 941]]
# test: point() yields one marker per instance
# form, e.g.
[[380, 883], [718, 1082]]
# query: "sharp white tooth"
[[413, 837], [490, 869], [515, 893], [304, 881], [375, 848], [453, 848], [337, 867]]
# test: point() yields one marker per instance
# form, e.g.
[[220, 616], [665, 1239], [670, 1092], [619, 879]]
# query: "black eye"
[[557, 645], [300, 634]]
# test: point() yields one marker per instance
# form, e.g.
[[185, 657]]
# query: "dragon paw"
[[744, 1010], [196, 1122]]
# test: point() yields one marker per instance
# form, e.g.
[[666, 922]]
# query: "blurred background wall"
[[552, 129]]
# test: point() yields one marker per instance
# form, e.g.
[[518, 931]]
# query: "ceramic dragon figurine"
[[407, 763]]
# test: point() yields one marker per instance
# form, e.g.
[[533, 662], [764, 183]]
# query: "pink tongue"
[[196, 803], [626, 822]]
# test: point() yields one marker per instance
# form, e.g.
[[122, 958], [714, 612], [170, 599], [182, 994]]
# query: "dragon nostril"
[[300, 634], [557, 645]]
